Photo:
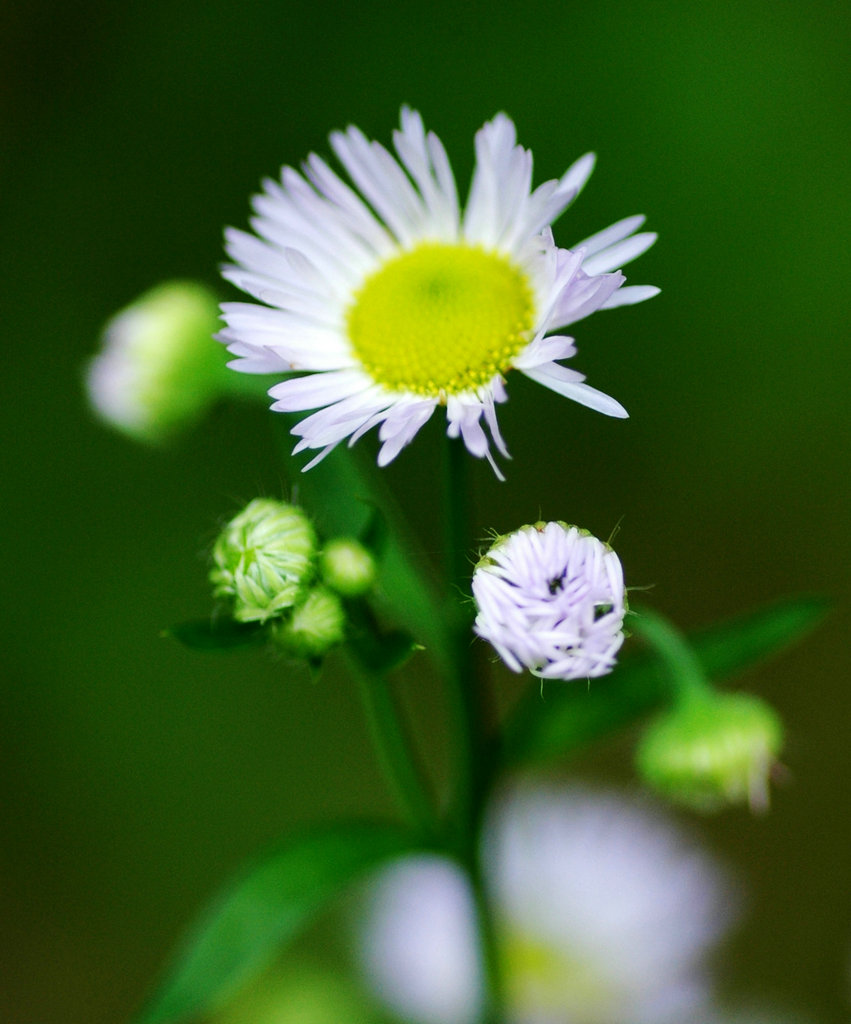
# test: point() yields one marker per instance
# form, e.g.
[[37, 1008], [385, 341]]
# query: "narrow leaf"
[[219, 634], [552, 723], [263, 910]]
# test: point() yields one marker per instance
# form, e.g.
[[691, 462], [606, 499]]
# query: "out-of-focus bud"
[[316, 624], [713, 750], [347, 567], [550, 598], [159, 368], [264, 559]]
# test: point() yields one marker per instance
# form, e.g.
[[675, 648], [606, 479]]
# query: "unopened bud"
[[713, 751], [347, 567], [550, 598], [264, 559], [159, 368], [316, 624]]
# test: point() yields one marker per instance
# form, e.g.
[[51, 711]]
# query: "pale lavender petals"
[[619, 254], [547, 596], [545, 349], [400, 427], [585, 296], [629, 295], [608, 236], [569, 384], [315, 390], [426, 161], [574, 178]]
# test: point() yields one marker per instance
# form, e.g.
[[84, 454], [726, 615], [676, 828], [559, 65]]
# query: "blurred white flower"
[[394, 300], [603, 911], [420, 947], [550, 598]]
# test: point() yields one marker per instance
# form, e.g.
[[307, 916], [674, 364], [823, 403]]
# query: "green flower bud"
[[159, 368], [264, 559], [316, 625], [712, 751], [347, 567]]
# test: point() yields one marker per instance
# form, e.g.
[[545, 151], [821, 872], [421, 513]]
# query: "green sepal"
[[219, 634], [264, 909], [551, 723]]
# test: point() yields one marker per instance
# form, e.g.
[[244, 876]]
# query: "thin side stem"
[[494, 993], [686, 673], [373, 655], [393, 751]]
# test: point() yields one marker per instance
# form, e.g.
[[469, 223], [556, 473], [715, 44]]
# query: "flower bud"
[[711, 751], [347, 567], [550, 598], [159, 368], [317, 624], [264, 559]]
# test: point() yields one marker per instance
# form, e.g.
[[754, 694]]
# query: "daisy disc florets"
[[387, 299], [550, 598]]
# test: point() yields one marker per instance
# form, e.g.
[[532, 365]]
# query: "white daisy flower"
[[390, 300], [604, 914], [550, 598]]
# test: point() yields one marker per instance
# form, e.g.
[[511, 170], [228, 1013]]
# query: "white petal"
[[382, 182], [438, 191], [584, 296], [545, 350], [608, 236], [334, 422], [400, 427], [574, 178], [556, 378], [317, 389], [629, 295], [618, 255]]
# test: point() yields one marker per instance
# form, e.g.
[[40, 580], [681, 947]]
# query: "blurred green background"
[[137, 775]]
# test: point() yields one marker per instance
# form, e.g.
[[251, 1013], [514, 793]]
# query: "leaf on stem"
[[263, 910], [567, 717]]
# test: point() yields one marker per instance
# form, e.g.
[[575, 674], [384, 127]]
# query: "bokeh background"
[[137, 775]]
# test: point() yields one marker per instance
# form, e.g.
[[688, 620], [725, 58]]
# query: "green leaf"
[[263, 910], [378, 651], [385, 653], [549, 724], [219, 634]]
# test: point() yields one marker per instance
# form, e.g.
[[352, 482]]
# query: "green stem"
[[491, 967], [472, 717], [369, 649], [685, 671], [461, 682]]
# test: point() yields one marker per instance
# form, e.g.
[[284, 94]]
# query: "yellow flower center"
[[441, 319], [546, 981]]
